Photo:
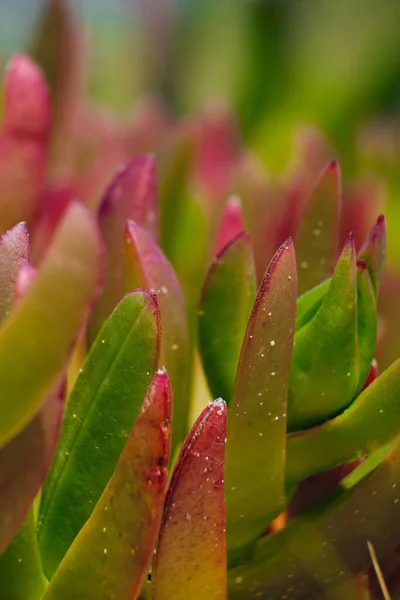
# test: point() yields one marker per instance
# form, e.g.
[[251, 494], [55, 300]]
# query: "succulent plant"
[[121, 475]]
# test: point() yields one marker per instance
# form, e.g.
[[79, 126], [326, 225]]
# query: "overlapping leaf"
[[111, 554], [227, 298], [255, 455], [146, 266], [131, 195], [36, 338], [327, 546], [372, 421], [99, 416], [325, 368]]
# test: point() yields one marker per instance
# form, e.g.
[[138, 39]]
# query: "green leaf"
[[371, 421], [316, 240], [225, 307], [24, 463], [327, 546], [131, 195], [23, 141], [36, 338], [99, 416], [111, 554], [21, 573], [367, 322], [325, 367], [146, 266], [255, 454], [14, 252], [190, 560]]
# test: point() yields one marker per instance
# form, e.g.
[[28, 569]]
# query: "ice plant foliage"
[[106, 489]]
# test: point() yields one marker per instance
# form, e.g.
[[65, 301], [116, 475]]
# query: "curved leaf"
[[225, 306], [190, 560], [36, 338], [111, 554], [371, 421], [146, 266], [325, 367], [327, 546], [131, 195], [99, 415], [255, 453], [232, 224]]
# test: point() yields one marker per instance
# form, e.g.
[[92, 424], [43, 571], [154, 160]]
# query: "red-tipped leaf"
[[190, 560], [146, 266], [255, 453]]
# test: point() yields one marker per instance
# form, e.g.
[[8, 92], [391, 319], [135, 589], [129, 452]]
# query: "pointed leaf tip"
[[257, 412], [225, 305], [190, 560], [132, 195]]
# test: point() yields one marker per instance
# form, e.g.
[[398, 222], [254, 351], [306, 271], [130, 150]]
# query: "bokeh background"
[[277, 64]]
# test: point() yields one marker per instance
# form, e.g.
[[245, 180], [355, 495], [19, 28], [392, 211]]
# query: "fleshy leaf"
[[232, 224], [23, 141], [190, 560], [255, 453], [99, 416], [131, 195], [21, 573], [316, 240], [328, 546], [24, 463], [367, 322], [146, 266], [14, 252], [225, 306], [36, 338], [111, 554], [325, 366], [371, 421], [373, 252]]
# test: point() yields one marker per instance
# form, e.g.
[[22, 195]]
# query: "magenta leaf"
[[23, 141], [131, 196], [373, 251], [190, 560], [146, 266]]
